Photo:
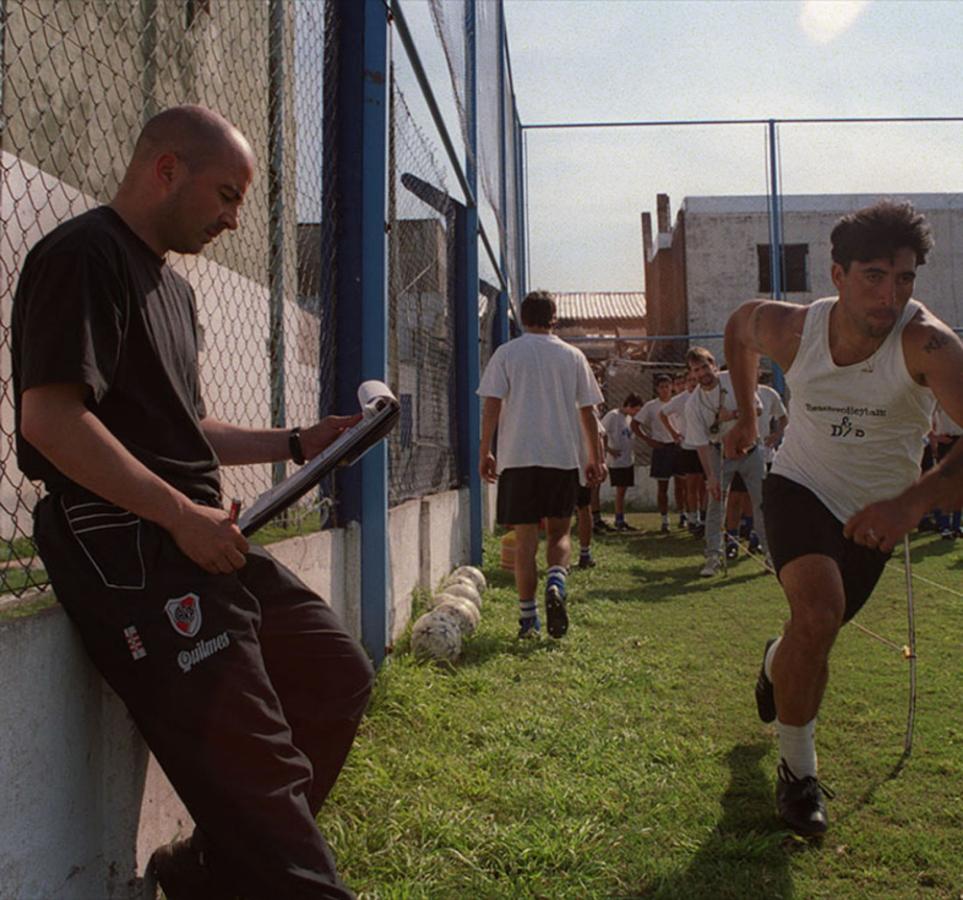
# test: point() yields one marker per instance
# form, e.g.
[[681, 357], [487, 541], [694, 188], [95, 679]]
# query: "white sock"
[[770, 655], [797, 746]]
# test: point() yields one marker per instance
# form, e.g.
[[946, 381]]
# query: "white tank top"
[[854, 431]]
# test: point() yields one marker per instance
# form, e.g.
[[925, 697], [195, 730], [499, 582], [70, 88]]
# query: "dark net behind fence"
[[79, 80]]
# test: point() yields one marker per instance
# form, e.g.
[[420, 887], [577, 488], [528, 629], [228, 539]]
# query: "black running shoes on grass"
[[800, 801]]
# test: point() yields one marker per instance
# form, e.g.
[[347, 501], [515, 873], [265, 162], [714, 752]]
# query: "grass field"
[[626, 760]]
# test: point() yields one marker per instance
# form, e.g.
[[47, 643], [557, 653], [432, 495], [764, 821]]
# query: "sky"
[[612, 60]]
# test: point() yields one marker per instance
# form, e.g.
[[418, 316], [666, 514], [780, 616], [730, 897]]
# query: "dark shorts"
[[943, 450], [528, 494], [584, 497], [687, 462], [738, 486], [662, 466], [622, 476], [798, 523]]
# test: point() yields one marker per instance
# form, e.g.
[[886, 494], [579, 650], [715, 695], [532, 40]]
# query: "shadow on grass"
[[671, 585], [745, 856], [484, 647]]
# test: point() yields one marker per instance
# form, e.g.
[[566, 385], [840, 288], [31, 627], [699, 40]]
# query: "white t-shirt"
[[772, 409], [674, 411], [702, 412], [854, 431], [702, 425], [542, 383], [620, 439], [651, 424]]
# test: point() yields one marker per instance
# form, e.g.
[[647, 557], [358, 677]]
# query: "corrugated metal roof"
[[584, 306]]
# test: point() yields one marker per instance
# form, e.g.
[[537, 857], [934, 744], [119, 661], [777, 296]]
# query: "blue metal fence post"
[[360, 180], [775, 239], [500, 324], [468, 353]]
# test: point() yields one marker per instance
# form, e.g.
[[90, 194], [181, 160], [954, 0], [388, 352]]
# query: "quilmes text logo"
[[187, 659]]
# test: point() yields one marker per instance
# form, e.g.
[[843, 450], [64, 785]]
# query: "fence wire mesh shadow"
[[78, 83]]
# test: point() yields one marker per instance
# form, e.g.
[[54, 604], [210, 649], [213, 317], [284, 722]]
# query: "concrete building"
[[716, 255]]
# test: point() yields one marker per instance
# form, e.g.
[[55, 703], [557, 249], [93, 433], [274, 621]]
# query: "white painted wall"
[[722, 234], [84, 803]]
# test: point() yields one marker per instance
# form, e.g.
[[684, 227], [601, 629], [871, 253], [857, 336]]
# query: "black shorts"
[[663, 462], [798, 523], [687, 462], [584, 497], [622, 476], [528, 494]]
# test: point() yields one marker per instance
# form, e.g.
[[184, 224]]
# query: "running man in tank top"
[[863, 369]]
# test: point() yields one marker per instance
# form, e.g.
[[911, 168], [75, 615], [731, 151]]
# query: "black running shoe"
[[732, 549], [183, 874], [765, 697], [624, 526], [586, 562], [800, 801], [600, 526], [555, 611]]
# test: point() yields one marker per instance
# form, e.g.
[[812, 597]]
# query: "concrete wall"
[[721, 268], [84, 803]]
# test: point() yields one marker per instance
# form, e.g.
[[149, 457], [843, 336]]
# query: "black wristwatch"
[[294, 445]]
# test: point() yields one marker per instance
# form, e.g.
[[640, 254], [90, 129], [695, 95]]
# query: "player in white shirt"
[[540, 393], [710, 413], [619, 455], [772, 425], [862, 369], [687, 464], [649, 426]]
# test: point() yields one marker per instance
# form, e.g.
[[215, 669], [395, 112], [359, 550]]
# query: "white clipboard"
[[380, 411]]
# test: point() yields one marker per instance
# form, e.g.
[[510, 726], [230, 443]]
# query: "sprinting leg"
[[800, 672]]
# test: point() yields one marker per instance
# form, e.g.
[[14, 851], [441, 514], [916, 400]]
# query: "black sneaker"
[[765, 696], [586, 562], [732, 549], [800, 801], [183, 874], [555, 611], [624, 526], [664, 527], [600, 526]]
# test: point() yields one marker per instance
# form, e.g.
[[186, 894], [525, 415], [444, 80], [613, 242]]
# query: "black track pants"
[[246, 687]]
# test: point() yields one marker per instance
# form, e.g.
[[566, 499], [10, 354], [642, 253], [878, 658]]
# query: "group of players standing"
[[684, 426], [865, 370]]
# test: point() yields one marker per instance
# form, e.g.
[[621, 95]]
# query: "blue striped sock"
[[526, 609], [556, 577]]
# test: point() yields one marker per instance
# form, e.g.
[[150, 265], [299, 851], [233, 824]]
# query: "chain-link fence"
[[421, 326], [79, 80]]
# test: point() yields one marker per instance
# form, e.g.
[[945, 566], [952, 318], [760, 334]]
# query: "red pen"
[[235, 511]]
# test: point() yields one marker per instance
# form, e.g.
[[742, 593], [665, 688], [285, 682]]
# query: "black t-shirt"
[[96, 306]]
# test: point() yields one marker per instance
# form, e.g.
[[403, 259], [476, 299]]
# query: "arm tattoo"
[[936, 342]]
